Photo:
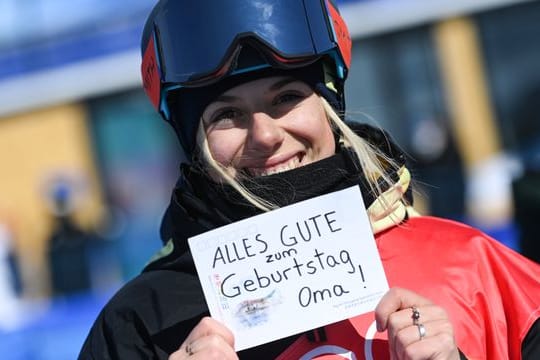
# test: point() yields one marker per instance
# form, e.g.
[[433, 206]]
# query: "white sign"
[[292, 269]]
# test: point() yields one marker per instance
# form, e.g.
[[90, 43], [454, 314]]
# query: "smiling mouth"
[[291, 164]]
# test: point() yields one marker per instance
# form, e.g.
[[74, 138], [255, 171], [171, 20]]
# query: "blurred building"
[[456, 82]]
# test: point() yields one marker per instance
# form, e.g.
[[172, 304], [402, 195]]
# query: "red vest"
[[491, 293]]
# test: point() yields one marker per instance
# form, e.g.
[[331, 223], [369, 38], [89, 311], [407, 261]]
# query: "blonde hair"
[[374, 164]]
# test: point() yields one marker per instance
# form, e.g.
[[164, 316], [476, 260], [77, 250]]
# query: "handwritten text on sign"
[[291, 270]]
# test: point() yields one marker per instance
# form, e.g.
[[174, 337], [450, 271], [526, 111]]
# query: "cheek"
[[224, 145], [319, 133], [327, 140]]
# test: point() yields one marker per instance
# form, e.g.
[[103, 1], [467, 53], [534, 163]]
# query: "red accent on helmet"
[[150, 74], [342, 33]]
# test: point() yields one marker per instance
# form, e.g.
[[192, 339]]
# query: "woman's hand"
[[417, 329], [208, 340]]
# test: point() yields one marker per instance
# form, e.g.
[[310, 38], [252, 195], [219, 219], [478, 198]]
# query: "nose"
[[265, 134]]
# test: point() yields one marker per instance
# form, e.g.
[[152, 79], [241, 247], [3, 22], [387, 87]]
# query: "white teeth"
[[291, 164]]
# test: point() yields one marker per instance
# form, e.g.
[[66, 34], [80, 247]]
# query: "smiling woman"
[[257, 102], [275, 124], [247, 124], [264, 127]]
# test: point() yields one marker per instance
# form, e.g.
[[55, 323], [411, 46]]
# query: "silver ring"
[[415, 315], [421, 330]]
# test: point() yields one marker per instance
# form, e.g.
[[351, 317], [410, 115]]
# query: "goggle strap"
[[341, 33], [151, 73]]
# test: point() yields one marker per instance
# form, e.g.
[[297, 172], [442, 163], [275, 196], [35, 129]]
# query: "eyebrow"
[[281, 83], [276, 86], [225, 98]]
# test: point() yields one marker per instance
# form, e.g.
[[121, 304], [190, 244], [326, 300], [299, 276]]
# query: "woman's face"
[[268, 126]]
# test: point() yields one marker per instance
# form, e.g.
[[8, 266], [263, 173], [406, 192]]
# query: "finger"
[[439, 346], [412, 334], [394, 300], [208, 326], [205, 354], [211, 347], [179, 354], [404, 318], [183, 352]]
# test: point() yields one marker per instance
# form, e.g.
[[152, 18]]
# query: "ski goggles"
[[193, 43]]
